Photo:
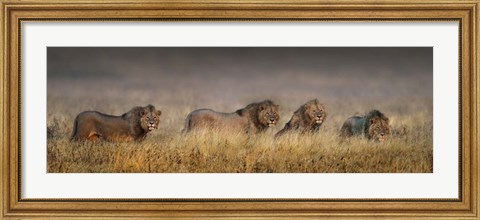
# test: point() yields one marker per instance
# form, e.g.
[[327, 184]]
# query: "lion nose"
[[381, 134], [272, 119]]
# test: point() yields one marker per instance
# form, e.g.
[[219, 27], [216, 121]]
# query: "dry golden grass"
[[169, 150]]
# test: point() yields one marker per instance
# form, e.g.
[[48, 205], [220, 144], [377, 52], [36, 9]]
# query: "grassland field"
[[405, 98]]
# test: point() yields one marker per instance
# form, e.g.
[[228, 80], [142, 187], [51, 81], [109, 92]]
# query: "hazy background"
[[182, 79]]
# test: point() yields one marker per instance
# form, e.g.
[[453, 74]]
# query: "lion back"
[[210, 119], [353, 126]]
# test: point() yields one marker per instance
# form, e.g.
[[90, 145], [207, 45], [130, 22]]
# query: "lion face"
[[315, 112], [150, 118], [268, 114], [379, 129]]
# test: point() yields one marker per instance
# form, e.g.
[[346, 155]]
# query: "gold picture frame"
[[15, 12]]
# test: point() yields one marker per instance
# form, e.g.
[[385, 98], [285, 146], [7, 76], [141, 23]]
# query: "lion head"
[[314, 112], [150, 118], [147, 116], [268, 113], [264, 114], [377, 126]]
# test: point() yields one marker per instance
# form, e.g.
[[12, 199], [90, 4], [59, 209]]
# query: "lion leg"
[[281, 132], [93, 136]]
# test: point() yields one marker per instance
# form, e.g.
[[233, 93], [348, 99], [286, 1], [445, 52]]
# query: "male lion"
[[308, 118], [374, 125], [133, 125], [254, 118]]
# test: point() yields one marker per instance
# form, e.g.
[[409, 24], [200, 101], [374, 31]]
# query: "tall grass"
[[228, 152]]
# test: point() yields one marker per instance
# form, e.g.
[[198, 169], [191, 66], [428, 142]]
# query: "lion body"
[[133, 125], [254, 118], [308, 118], [374, 125]]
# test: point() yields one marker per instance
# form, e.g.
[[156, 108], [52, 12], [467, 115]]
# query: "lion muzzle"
[[319, 119], [381, 137], [152, 126], [272, 122]]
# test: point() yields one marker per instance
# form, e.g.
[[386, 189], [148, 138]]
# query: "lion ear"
[[159, 112], [372, 120], [262, 107], [142, 113]]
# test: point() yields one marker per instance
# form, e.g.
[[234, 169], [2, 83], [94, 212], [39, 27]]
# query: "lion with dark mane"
[[133, 125], [252, 119], [308, 118], [374, 125]]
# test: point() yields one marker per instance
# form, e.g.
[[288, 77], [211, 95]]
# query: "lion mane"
[[308, 118], [254, 118], [374, 125], [133, 125]]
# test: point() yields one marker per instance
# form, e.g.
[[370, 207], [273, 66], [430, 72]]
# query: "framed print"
[[256, 109]]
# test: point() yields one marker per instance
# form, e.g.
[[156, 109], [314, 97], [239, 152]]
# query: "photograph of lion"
[[133, 125], [239, 110], [253, 119], [308, 118], [374, 125]]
